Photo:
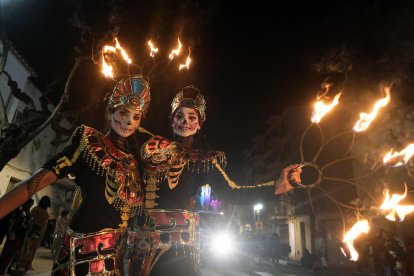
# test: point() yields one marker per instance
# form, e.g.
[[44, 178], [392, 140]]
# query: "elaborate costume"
[[173, 173], [108, 176]]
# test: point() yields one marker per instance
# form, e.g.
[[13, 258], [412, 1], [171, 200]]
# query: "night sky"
[[250, 60]]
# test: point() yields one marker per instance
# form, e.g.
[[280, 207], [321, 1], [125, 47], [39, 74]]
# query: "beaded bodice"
[[123, 187]]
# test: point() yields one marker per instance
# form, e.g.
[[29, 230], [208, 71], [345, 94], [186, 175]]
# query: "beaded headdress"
[[198, 102], [132, 92]]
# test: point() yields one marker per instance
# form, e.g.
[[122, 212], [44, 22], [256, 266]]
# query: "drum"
[[148, 238], [92, 254]]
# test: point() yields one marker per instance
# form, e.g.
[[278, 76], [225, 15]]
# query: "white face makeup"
[[124, 121], [186, 122]]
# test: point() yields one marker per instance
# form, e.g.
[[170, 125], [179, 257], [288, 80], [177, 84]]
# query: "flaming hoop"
[[390, 208]]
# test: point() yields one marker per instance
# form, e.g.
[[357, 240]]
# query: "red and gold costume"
[[111, 192], [110, 183], [172, 174]]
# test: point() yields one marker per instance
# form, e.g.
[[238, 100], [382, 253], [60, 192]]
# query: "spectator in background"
[[15, 236], [362, 247], [50, 228], [320, 244], [36, 233], [6, 222], [274, 243], [62, 224], [391, 254], [397, 255], [409, 249], [308, 261]]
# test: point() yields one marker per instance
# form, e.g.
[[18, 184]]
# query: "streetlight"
[[257, 208]]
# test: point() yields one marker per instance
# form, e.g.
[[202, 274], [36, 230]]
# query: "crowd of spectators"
[[24, 230]]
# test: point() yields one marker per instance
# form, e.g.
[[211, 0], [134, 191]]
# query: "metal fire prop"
[[390, 208], [111, 54]]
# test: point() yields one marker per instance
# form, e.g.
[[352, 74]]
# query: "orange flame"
[[187, 63], [394, 211], [321, 108], [366, 119], [396, 159], [359, 227], [123, 53], [175, 52], [107, 69], [153, 49]]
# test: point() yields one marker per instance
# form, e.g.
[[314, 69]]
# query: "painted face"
[[186, 122], [124, 121]]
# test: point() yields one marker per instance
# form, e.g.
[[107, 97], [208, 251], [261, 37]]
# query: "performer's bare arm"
[[25, 190], [282, 185]]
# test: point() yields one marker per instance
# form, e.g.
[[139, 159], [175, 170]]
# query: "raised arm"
[[25, 190]]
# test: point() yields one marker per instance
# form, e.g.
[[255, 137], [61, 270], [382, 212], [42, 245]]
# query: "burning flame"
[[175, 52], [366, 119], [123, 53], [187, 63], [393, 210], [321, 109], [396, 159], [107, 69], [359, 227], [152, 49]]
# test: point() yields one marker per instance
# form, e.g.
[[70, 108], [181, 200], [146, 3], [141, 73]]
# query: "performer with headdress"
[[175, 171], [108, 175]]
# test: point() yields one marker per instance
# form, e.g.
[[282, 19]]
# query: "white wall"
[[39, 150]]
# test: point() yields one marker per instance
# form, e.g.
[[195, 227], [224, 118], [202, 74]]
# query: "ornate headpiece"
[[133, 92], [198, 103]]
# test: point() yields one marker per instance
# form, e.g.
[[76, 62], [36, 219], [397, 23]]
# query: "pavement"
[[43, 262]]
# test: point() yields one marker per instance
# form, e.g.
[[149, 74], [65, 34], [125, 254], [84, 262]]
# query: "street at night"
[[209, 137]]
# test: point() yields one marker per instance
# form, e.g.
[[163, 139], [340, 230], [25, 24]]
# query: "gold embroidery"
[[65, 162], [123, 189], [174, 176]]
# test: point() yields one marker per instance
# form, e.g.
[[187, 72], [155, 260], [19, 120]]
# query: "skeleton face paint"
[[124, 121], [186, 122]]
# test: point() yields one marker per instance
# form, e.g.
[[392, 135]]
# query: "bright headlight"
[[222, 243]]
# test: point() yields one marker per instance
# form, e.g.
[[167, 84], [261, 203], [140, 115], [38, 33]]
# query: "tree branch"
[[63, 100], [3, 114], [17, 92]]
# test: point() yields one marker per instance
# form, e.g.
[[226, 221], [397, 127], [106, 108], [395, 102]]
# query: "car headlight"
[[222, 243]]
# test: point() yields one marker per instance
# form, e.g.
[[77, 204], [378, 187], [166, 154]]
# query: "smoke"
[[334, 61], [96, 18]]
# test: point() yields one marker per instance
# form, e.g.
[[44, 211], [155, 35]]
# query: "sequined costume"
[[109, 181], [172, 176], [173, 173], [108, 176]]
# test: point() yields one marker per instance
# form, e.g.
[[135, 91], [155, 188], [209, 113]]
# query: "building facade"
[[300, 216], [40, 149]]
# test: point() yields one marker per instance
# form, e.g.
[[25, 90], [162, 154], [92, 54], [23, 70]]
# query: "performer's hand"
[[282, 185]]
